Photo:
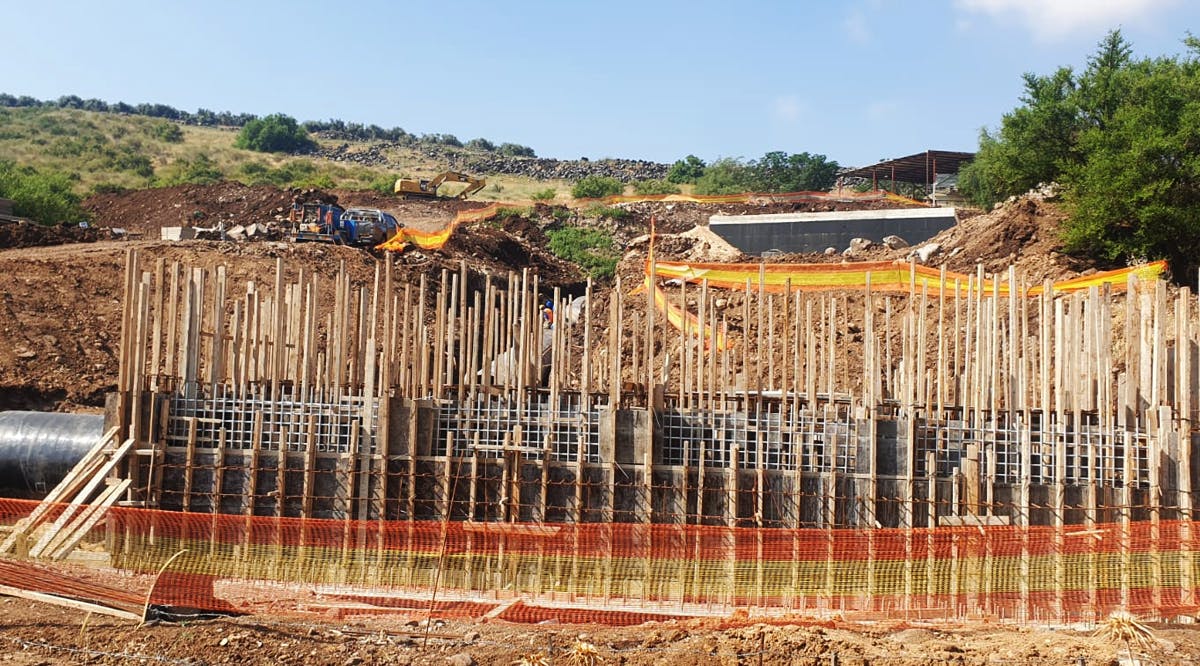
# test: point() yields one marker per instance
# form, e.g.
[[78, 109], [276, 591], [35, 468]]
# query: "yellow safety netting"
[[883, 276]]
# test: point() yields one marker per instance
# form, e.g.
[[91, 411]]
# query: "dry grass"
[[35, 136], [584, 654], [1122, 628]]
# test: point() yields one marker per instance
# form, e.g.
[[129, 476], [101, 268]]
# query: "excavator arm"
[[428, 189]]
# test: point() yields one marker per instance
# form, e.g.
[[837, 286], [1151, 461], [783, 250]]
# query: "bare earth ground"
[[32, 634]]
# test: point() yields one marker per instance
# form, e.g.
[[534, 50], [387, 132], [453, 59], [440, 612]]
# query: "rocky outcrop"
[[484, 163]]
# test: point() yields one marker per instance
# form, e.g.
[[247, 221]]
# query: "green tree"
[[778, 171], [515, 150], [686, 170], [1035, 142], [1137, 193], [725, 176], [45, 197], [481, 144], [277, 133], [594, 187], [1105, 82], [1123, 141]]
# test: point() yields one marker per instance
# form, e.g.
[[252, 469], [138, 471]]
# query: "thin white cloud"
[[787, 108], [856, 27], [1050, 20], [882, 110]]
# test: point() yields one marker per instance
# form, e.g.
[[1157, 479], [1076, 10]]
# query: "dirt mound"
[[495, 250], [1025, 232], [147, 211], [27, 234]]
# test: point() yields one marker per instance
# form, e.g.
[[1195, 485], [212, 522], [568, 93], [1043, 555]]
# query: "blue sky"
[[858, 81]]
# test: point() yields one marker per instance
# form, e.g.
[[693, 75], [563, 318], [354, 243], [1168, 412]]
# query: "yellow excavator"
[[428, 189]]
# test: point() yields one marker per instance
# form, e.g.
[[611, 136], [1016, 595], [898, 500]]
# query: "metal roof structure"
[[919, 168]]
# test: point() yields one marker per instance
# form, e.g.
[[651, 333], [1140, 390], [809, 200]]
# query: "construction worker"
[[548, 314]]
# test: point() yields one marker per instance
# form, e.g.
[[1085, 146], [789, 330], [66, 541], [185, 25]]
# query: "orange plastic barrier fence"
[[676, 316], [750, 197], [1070, 573], [884, 276]]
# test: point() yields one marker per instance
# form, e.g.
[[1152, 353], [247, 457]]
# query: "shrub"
[[45, 197], [199, 170], [652, 187], [547, 194], [686, 170], [277, 133], [165, 131], [592, 249], [595, 187], [505, 212], [611, 212], [109, 188], [383, 184], [137, 164], [515, 150], [481, 144]]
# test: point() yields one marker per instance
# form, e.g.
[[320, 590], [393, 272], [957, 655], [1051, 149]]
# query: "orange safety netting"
[[1072, 572], [681, 319], [883, 276]]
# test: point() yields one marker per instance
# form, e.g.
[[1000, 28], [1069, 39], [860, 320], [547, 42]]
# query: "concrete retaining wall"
[[813, 232]]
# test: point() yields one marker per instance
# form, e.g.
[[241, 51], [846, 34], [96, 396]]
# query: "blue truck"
[[330, 223]]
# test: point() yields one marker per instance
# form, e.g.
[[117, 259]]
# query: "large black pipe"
[[37, 449]]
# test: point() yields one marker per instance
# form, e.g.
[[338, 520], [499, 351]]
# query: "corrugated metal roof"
[[918, 168]]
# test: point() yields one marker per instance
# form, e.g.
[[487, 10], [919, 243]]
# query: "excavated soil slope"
[[60, 309], [147, 211]]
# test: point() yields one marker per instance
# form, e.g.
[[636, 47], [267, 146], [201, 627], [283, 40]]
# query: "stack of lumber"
[[75, 505]]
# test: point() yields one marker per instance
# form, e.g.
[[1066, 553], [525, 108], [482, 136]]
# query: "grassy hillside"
[[106, 151]]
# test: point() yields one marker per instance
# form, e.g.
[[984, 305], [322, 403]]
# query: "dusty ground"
[[33, 634]]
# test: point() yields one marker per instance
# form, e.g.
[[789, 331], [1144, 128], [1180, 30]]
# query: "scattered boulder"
[[177, 233], [894, 242], [484, 162], [830, 251], [925, 252], [857, 245], [461, 659]]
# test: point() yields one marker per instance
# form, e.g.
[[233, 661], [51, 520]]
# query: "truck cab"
[[367, 226]]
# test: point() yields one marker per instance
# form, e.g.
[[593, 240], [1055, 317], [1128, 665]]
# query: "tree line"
[[776, 171], [337, 129]]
